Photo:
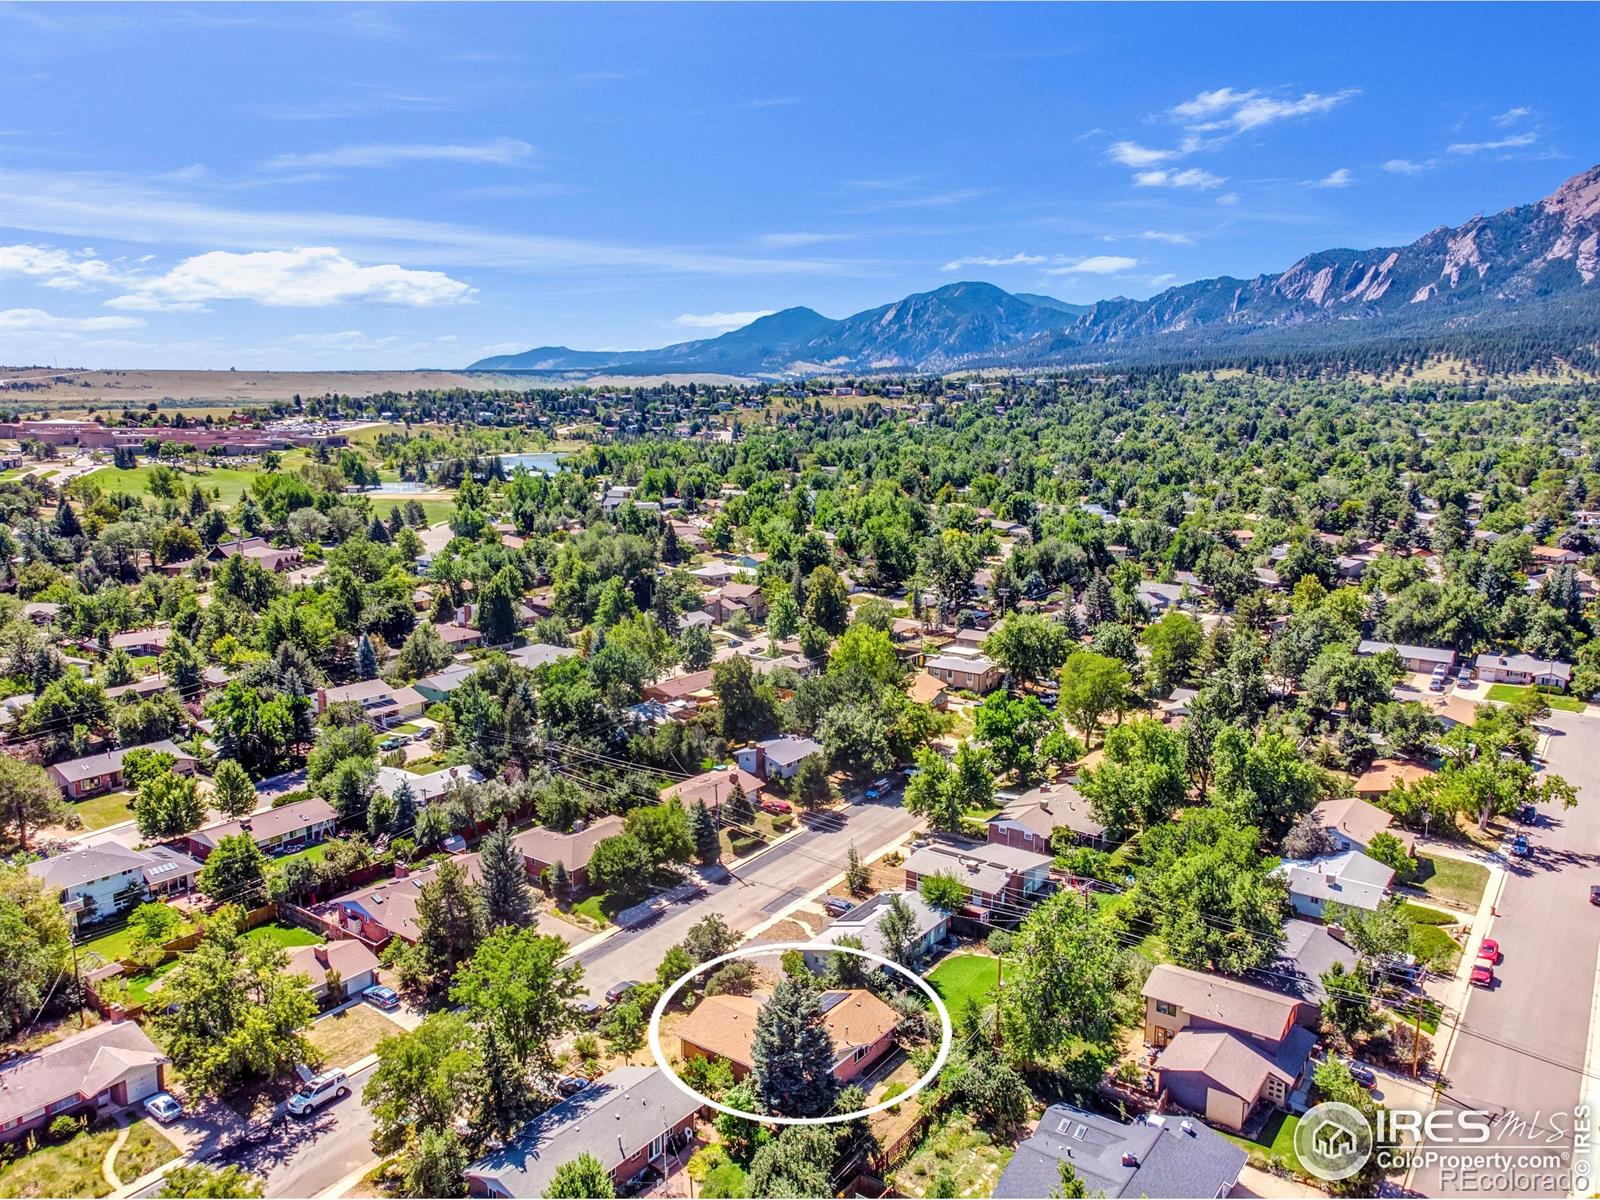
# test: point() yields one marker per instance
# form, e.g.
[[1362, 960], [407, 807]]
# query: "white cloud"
[[1171, 239], [1512, 115], [15, 320], [55, 268], [979, 260], [500, 152], [1512, 142], [720, 321], [1190, 177], [1098, 264], [1228, 198], [1131, 154], [1229, 109], [1335, 179], [306, 277], [299, 278], [346, 339], [1406, 166], [1163, 281]]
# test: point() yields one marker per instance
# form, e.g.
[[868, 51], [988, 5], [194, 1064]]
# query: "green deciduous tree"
[[1061, 980], [517, 984], [1093, 685], [232, 793], [583, 1178]]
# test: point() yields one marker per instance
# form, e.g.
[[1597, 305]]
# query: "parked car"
[[391, 743], [587, 1008], [1440, 674], [571, 1085], [323, 1088], [424, 733], [1489, 952], [1594, 894], [1527, 814], [1464, 679], [381, 997], [1483, 977], [1362, 1074], [1520, 847], [836, 906], [454, 844], [776, 807], [163, 1107], [879, 788], [619, 991]]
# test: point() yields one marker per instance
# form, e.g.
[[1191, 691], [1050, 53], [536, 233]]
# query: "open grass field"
[[230, 482], [1507, 692], [284, 935], [72, 1168], [964, 977], [218, 391]]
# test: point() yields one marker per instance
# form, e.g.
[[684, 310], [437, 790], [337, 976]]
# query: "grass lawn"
[[109, 946], [1452, 880], [145, 987], [314, 854], [1429, 942], [101, 811], [965, 1154], [1507, 692], [231, 482], [600, 907], [351, 1034], [1275, 1142], [426, 766], [284, 935], [964, 977], [72, 1168]]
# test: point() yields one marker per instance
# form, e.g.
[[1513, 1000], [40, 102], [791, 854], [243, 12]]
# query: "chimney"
[[1129, 1159], [401, 870]]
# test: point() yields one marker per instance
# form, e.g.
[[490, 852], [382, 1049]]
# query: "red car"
[[1483, 977], [776, 807], [1489, 952]]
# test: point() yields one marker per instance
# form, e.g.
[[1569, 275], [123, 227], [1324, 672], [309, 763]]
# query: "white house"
[[1349, 878], [107, 878], [1523, 669], [776, 758]]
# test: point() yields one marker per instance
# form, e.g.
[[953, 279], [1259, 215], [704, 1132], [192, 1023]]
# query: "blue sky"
[[310, 186]]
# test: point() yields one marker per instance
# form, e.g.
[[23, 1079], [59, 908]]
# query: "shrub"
[[64, 1128]]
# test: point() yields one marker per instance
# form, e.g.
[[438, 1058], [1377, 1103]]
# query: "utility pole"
[[1416, 1036], [72, 908], [999, 993]]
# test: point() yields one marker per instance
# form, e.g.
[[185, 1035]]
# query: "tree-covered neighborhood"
[[393, 756]]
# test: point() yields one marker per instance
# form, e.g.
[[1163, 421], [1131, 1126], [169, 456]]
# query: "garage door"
[[142, 1084]]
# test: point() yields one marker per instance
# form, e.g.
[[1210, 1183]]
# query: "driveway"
[[301, 1157], [774, 881], [1520, 1049]]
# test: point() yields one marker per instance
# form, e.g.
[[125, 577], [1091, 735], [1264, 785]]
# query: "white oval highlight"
[[946, 1037]]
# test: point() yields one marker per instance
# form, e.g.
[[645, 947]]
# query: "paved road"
[[769, 884], [304, 1157], [1521, 1045]]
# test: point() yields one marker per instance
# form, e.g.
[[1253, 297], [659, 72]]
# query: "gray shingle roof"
[[613, 1118], [86, 864], [1169, 1157], [82, 1066]]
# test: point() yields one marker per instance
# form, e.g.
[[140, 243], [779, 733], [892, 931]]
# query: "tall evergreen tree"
[[703, 828], [792, 1054], [503, 882], [366, 659]]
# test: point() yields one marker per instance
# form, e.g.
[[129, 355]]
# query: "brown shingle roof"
[[1223, 1001]]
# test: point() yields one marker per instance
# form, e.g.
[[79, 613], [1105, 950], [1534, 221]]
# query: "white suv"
[[330, 1085]]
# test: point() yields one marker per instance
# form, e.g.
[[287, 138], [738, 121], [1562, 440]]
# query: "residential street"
[[771, 883], [1522, 1043]]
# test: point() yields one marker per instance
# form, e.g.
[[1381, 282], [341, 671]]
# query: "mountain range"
[[1514, 267]]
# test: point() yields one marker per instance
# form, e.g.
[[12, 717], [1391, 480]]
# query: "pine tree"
[[563, 881], [792, 1054], [1098, 604], [366, 659], [503, 881], [500, 1102], [707, 846], [405, 809], [65, 524], [739, 810]]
